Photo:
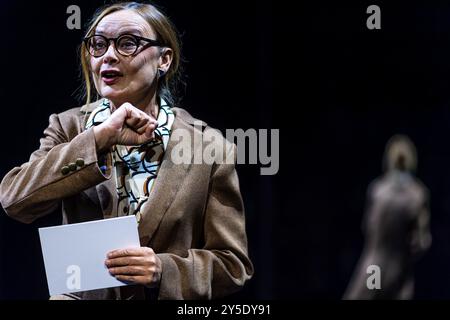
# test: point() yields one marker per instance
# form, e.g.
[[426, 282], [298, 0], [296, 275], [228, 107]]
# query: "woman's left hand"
[[136, 265]]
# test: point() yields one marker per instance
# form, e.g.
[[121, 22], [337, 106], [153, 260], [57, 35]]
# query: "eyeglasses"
[[126, 44]]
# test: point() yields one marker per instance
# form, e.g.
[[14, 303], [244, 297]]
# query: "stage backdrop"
[[336, 90]]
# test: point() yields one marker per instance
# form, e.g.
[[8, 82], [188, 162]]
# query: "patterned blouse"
[[135, 168]]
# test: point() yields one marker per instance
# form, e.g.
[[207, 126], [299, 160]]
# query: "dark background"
[[336, 90]]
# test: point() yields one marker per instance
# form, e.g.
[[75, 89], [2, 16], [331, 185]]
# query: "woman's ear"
[[165, 59]]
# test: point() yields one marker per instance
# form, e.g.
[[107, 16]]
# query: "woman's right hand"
[[126, 126]]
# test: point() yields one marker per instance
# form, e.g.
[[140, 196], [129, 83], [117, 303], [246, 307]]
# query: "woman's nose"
[[110, 55]]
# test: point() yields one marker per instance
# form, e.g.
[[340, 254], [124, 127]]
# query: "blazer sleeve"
[[222, 266], [36, 187]]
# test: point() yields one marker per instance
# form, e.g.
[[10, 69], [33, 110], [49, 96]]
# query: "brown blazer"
[[194, 219]]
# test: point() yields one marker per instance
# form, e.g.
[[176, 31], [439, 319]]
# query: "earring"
[[161, 73]]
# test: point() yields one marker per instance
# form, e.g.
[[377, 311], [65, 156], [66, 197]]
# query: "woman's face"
[[133, 75]]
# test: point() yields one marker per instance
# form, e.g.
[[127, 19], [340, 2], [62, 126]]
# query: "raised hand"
[[127, 125]]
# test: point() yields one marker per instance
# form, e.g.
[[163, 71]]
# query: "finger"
[[125, 278], [150, 131], [141, 128], [141, 139], [118, 118], [135, 251], [145, 137], [121, 112], [129, 110], [133, 112], [133, 279], [135, 116], [124, 261], [150, 127], [139, 120], [136, 122], [144, 121], [130, 271]]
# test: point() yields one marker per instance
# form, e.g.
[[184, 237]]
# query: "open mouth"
[[111, 76]]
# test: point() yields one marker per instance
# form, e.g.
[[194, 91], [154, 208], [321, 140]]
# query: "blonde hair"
[[165, 33], [400, 154]]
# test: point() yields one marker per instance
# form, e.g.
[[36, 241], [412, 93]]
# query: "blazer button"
[[80, 162], [65, 170], [72, 166]]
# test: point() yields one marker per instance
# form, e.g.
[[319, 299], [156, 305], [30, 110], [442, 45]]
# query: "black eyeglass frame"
[[138, 39]]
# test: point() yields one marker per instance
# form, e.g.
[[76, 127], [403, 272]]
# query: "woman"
[[396, 227], [113, 157]]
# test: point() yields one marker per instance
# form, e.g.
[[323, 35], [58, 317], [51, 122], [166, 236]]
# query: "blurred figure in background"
[[395, 226]]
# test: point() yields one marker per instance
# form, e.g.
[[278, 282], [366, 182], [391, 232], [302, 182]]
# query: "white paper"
[[75, 254]]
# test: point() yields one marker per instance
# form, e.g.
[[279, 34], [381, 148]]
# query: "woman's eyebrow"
[[130, 31], [121, 32]]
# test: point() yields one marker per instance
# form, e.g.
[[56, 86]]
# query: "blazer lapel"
[[170, 178]]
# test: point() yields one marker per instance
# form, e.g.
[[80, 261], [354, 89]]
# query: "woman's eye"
[[98, 45], [127, 44]]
